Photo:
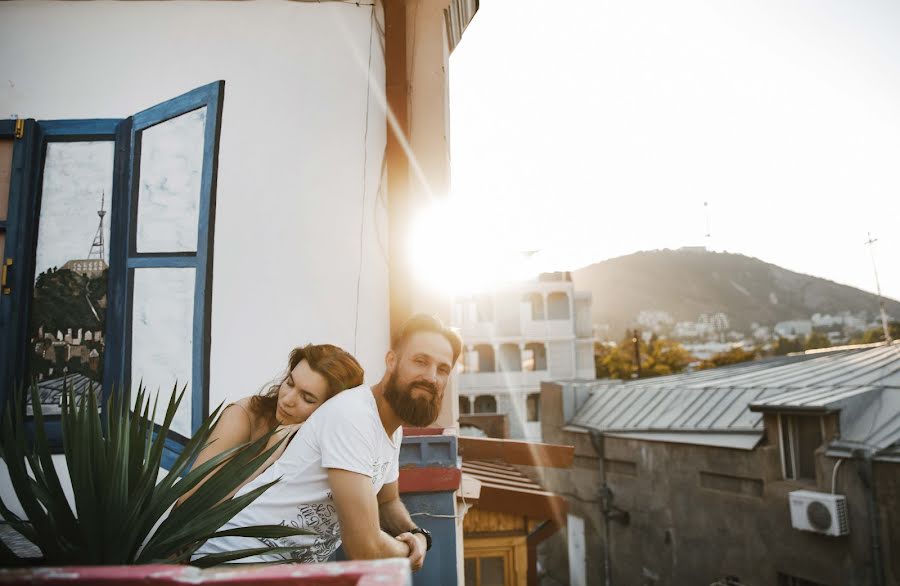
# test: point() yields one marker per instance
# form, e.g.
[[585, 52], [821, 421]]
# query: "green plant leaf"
[[113, 459], [215, 559]]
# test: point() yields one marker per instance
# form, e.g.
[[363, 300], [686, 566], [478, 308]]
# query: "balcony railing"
[[547, 328]]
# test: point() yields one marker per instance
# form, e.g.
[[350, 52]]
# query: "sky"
[[586, 130]]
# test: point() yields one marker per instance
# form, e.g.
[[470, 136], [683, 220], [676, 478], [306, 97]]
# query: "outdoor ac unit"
[[819, 512]]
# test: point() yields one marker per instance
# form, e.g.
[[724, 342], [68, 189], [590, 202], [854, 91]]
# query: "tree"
[[817, 340], [658, 357], [733, 356], [876, 335], [784, 346]]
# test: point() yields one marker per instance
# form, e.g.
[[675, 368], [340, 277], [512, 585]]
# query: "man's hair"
[[427, 323]]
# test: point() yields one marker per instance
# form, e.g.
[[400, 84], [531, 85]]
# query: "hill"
[[689, 283]]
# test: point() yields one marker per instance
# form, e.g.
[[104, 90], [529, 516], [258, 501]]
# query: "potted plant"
[[113, 461]]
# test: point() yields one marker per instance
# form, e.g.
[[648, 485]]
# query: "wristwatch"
[[427, 535]]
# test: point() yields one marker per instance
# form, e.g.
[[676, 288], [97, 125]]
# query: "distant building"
[[792, 329], [654, 320], [89, 267], [516, 337], [784, 471], [706, 350]]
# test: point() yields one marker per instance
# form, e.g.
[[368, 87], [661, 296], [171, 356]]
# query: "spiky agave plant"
[[113, 462]]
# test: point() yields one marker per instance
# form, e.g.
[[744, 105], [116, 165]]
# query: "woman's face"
[[300, 394]]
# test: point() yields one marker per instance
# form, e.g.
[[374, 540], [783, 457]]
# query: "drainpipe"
[[605, 498], [864, 468]]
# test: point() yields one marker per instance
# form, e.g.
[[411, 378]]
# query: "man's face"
[[419, 372]]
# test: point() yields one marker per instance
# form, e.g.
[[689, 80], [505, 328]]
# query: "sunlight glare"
[[458, 249]]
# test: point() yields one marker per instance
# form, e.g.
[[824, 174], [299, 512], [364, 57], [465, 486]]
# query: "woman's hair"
[[339, 369]]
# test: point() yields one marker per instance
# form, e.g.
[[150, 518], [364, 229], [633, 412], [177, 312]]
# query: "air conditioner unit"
[[819, 512]]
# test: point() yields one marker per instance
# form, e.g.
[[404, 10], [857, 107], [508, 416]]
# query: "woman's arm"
[[282, 433], [232, 429]]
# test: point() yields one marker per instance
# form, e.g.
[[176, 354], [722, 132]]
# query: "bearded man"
[[339, 472]]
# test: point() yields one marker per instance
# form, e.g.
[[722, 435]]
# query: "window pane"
[[169, 191], [6, 151], [492, 573], [528, 360], [808, 440], [471, 569], [162, 337], [485, 404], [533, 407], [67, 326]]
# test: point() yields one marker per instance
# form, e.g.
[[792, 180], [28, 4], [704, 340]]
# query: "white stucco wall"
[[291, 203]]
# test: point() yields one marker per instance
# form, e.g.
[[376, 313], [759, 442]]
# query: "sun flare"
[[458, 249]]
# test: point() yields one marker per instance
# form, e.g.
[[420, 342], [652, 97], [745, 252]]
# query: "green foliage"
[[733, 356], [658, 357], [113, 462], [876, 335], [63, 299], [817, 340], [783, 346]]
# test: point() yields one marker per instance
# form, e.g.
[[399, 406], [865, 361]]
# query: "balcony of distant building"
[[505, 365], [536, 310]]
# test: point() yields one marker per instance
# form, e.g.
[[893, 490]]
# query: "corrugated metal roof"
[[718, 401]]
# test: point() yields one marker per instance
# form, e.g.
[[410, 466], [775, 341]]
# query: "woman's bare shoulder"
[[236, 420]]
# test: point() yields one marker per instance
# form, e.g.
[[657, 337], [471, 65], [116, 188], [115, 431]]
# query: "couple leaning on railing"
[[338, 446]]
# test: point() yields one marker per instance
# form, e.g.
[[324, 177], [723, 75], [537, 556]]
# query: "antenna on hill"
[[884, 324], [706, 213]]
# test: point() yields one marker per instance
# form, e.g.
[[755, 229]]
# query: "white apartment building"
[[517, 336]]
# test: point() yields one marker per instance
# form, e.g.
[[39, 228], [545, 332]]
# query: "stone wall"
[[698, 513]]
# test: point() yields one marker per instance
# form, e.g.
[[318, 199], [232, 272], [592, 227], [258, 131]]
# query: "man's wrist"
[[425, 534]]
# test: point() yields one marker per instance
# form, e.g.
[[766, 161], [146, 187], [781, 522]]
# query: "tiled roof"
[[504, 489]]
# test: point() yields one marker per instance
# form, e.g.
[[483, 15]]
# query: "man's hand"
[[417, 545]]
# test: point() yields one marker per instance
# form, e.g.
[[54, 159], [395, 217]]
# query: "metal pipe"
[[597, 440], [864, 468]]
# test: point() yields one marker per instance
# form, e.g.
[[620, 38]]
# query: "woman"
[[315, 373]]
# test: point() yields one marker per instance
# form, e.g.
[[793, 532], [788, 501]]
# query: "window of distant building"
[[464, 405], [534, 357], [800, 437], [536, 303], [558, 306], [510, 358], [108, 238], [533, 407], [486, 362], [485, 404]]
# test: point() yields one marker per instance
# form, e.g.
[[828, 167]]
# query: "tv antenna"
[[884, 323], [98, 248]]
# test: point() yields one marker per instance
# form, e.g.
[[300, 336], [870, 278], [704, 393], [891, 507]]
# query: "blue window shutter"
[[126, 258]]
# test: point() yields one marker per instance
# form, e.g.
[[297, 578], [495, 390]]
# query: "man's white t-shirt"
[[345, 433]]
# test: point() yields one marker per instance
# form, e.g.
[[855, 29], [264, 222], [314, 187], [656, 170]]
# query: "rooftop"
[[724, 406]]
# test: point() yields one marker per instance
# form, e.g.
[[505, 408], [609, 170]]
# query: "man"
[[339, 473]]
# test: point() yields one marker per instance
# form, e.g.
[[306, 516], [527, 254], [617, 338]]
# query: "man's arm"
[[357, 509], [395, 520]]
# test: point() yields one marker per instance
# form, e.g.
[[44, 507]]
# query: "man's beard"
[[415, 411]]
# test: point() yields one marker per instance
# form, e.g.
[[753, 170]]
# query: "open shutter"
[[162, 277], [17, 172]]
